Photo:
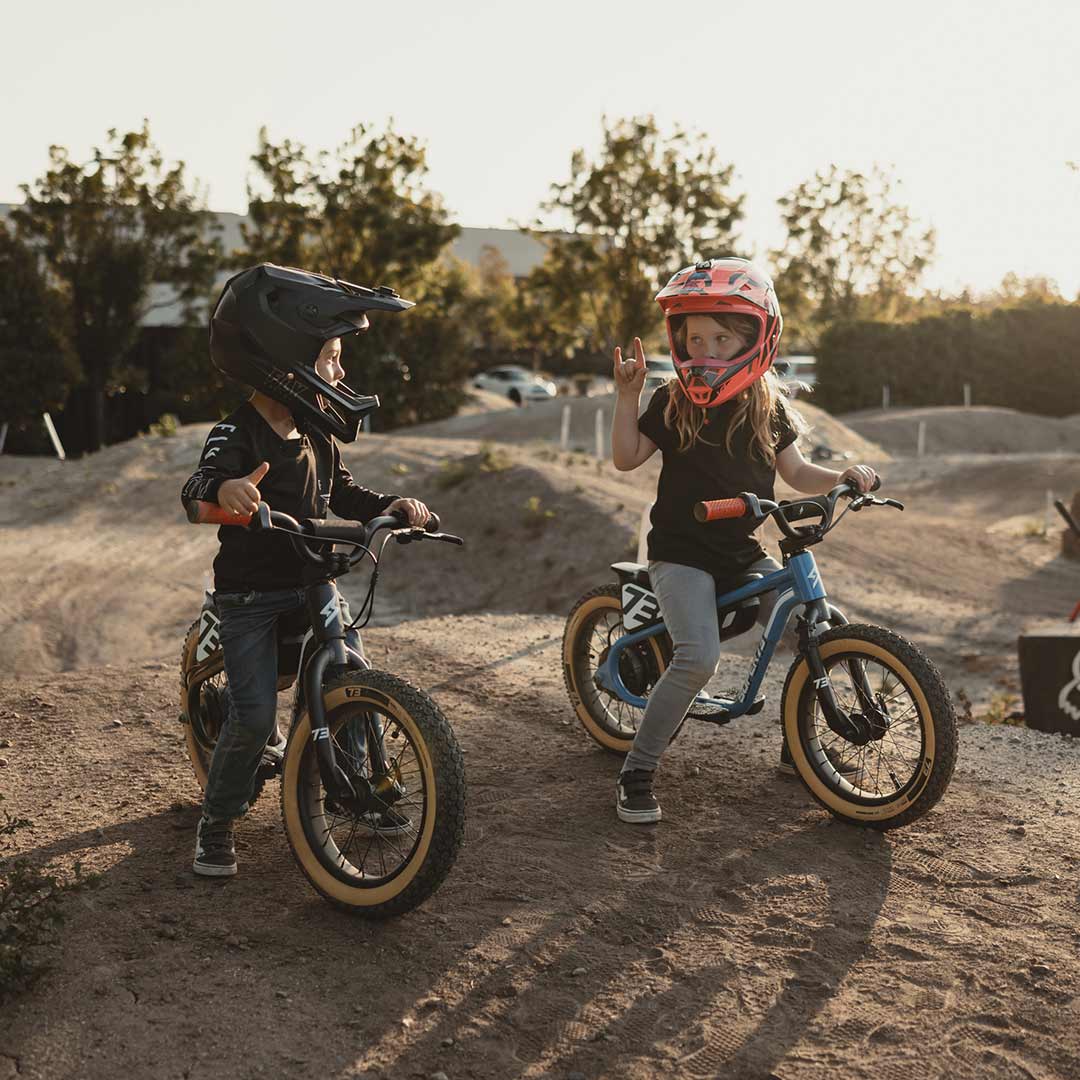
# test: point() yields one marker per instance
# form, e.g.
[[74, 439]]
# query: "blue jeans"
[[250, 646]]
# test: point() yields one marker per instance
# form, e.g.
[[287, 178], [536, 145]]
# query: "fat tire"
[[594, 725], [447, 773], [876, 643]]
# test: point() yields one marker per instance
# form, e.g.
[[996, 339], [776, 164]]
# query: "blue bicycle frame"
[[797, 584]]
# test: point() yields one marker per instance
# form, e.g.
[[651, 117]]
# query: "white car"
[[517, 383], [797, 369], [657, 372]]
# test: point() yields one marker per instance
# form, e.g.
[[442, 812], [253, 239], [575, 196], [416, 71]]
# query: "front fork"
[[324, 609], [861, 727]]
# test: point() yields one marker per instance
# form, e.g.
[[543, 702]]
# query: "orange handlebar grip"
[[200, 512], [715, 509]]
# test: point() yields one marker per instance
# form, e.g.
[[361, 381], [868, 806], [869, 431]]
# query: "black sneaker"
[[386, 822], [215, 851], [634, 800], [845, 768]]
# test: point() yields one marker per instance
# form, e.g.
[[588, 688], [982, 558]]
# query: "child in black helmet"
[[279, 331]]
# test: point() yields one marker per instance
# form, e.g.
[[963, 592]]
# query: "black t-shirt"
[[707, 471], [306, 479]]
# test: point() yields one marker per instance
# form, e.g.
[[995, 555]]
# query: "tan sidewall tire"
[[845, 808], [577, 616], [326, 883], [200, 763]]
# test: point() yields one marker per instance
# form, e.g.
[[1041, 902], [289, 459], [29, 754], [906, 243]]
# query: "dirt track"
[[746, 936]]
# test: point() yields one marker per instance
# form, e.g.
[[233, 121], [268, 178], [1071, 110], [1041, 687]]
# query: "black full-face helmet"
[[268, 327]]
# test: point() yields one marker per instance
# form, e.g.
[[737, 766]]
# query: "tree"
[[108, 231], [364, 213], [1016, 291], [648, 205], [851, 252], [37, 366]]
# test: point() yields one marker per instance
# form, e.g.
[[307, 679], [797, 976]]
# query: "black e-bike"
[[372, 777]]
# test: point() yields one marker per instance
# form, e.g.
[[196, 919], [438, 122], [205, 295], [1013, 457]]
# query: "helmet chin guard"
[[267, 329], [716, 287]]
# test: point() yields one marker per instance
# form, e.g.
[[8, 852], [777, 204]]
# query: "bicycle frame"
[[798, 584]]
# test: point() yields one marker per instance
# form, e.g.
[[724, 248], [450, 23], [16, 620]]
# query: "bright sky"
[[973, 106]]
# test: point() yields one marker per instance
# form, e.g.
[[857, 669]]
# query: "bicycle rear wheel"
[[204, 689], [388, 851], [594, 623], [906, 761]]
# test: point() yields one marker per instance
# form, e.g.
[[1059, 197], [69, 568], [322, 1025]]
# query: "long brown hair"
[[757, 404]]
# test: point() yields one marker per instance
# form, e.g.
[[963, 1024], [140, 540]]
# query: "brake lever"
[[871, 500], [417, 534]]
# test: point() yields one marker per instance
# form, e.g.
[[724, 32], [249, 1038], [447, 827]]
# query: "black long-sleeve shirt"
[[306, 479]]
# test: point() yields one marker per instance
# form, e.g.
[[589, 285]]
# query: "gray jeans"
[[688, 603]]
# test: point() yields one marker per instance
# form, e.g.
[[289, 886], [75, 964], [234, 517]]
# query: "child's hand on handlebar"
[[241, 496], [862, 476], [414, 510]]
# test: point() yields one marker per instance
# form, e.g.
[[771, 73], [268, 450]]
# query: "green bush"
[[1026, 358]]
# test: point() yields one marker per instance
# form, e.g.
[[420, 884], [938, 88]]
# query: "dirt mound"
[[542, 422], [99, 546], [827, 430], [956, 430], [100, 566]]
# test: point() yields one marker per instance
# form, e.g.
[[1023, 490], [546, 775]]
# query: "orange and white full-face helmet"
[[721, 287]]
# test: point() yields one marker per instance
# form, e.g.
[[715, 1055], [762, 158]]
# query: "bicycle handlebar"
[[784, 513], [300, 533], [200, 512], [715, 509]]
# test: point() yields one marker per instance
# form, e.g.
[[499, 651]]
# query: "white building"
[[520, 251]]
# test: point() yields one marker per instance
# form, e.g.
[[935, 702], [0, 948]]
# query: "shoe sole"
[[371, 830], [367, 829], [213, 871], [846, 772], [639, 817]]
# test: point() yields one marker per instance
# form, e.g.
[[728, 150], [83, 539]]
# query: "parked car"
[[657, 372], [797, 369], [517, 383]]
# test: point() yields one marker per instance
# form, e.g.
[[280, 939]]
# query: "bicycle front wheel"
[[902, 765], [387, 856]]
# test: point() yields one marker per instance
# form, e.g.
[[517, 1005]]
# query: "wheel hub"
[[635, 670]]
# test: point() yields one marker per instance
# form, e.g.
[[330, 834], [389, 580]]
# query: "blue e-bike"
[[867, 719]]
